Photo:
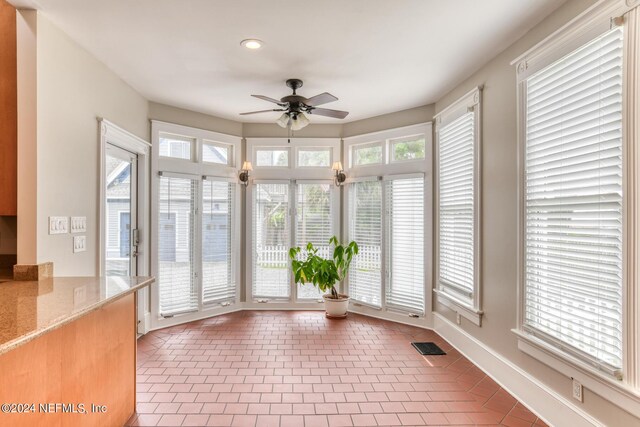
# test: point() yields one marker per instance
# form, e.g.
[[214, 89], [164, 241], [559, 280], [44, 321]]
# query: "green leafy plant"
[[323, 273]]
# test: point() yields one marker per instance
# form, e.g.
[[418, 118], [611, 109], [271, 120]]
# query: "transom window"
[[314, 157], [407, 148], [216, 152], [178, 147], [272, 157], [367, 154]]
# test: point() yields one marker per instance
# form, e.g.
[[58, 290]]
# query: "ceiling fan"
[[295, 106]]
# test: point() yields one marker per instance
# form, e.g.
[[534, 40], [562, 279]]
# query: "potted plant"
[[324, 274]]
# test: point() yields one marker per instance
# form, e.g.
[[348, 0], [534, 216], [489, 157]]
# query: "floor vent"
[[428, 349]]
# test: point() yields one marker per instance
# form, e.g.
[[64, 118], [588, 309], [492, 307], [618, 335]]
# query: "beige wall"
[[398, 119], [179, 116], [499, 198], [73, 89]]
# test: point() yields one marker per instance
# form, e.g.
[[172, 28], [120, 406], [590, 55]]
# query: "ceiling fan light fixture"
[[299, 121], [283, 121], [251, 44]]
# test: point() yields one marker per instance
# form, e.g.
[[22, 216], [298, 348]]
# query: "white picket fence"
[[368, 257], [272, 256]]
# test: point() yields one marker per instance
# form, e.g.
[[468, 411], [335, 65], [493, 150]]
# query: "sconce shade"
[[246, 166], [337, 166]]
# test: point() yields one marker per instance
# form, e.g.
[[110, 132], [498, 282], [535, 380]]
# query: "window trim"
[[471, 101], [593, 22]]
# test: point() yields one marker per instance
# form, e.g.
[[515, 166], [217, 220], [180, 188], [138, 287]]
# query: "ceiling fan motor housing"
[[294, 84]]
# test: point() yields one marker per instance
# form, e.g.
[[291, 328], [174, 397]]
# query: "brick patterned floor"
[[297, 368]]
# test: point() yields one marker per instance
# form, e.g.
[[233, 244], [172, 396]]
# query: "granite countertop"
[[31, 309]]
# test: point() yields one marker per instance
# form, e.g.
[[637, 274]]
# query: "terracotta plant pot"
[[336, 308]]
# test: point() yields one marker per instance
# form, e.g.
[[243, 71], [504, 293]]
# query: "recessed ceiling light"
[[251, 44]]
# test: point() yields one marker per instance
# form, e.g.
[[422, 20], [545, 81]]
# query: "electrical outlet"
[[577, 390], [58, 225], [78, 224], [79, 244], [458, 319]]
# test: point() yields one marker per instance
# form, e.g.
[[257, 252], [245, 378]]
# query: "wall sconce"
[[244, 173], [340, 176]]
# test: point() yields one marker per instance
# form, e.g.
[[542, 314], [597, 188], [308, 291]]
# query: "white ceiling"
[[376, 56]]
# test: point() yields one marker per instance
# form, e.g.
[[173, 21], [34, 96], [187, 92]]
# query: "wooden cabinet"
[[8, 111]]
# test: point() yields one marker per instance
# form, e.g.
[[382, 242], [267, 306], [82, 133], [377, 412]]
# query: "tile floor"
[[297, 368]]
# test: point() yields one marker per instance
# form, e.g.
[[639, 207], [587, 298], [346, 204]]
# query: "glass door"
[[120, 203]]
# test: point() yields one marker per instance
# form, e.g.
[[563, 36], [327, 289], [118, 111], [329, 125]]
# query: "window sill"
[[461, 308], [611, 389]]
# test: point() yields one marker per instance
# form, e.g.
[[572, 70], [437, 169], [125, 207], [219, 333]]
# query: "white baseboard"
[[551, 407], [423, 322]]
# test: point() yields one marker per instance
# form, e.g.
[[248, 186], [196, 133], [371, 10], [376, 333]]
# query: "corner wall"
[[499, 216], [73, 90]]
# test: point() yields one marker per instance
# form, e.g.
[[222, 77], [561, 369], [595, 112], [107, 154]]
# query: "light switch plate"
[[79, 244], [58, 225], [78, 224]]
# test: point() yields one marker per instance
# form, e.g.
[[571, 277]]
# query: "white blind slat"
[[271, 241], [176, 231], [405, 244], [456, 210], [218, 280], [365, 227], [573, 202], [314, 223]]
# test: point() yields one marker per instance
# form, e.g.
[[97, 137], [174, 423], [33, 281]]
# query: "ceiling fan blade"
[[261, 111], [336, 114], [323, 98], [266, 98]]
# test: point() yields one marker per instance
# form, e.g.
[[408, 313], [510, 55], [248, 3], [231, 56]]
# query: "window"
[[405, 243], [408, 148], [178, 147], [367, 154], [214, 152], [194, 217], [314, 157], [314, 223], [386, 216], [176, 278], [218, 213], [271, 240], [573, 203], [457, 199], [365, 227], [272, 157]]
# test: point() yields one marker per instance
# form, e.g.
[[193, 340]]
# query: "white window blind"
[[176, 267], [456, 211], [405, 244], [365, 227], [573, 202], [218, 280], [271, 241], [314, 223]]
